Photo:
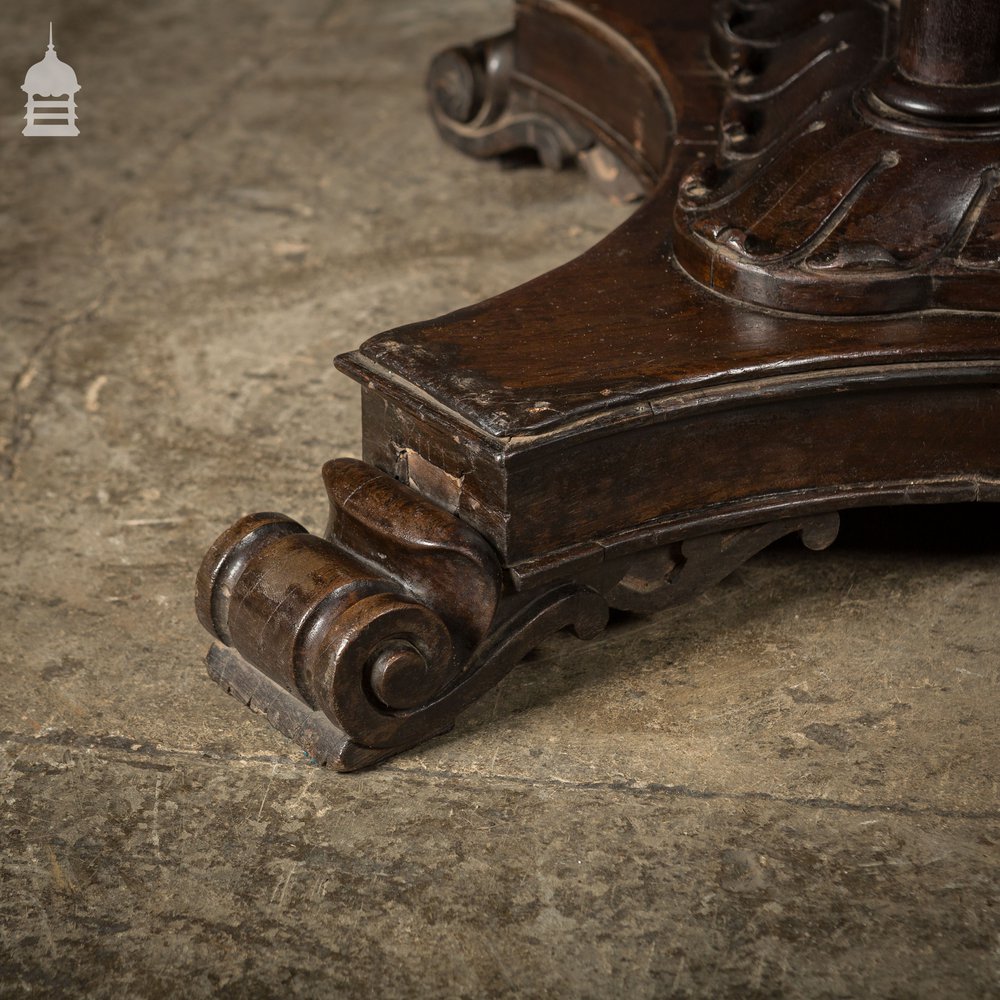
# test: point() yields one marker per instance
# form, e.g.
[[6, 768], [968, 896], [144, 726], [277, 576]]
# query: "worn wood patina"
[[800, 318]]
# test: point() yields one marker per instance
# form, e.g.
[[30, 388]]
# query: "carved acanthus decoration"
[[822, 197]]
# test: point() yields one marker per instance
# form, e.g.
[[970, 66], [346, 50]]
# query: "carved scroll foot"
[[372, 639], [313, 731], [483, 106]]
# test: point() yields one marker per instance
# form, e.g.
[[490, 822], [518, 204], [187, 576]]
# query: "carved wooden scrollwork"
[[482, 106], [375, 637], [831, 190], [477, 108], [615, 434], [334, 622]]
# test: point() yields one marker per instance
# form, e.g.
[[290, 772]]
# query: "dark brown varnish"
[[802, 317]]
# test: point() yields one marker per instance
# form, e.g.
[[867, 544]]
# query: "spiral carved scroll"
[[356, 667], [358, 655], [484, 108], [476, 109], [341, 634], [374, 638]]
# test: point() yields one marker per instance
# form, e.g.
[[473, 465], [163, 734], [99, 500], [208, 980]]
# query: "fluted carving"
[[825, 197]]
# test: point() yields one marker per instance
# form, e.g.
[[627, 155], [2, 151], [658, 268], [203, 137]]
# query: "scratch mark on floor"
[[156, 813]]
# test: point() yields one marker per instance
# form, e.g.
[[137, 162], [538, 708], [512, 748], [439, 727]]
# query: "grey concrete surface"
[[788, 788]]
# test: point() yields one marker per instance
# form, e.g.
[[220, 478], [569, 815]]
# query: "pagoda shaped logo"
[[51, 87]]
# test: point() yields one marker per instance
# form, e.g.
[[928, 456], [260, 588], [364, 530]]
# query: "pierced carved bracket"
[[679, 572], [373, 638]]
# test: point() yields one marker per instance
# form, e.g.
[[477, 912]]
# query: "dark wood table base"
[[801, 318]]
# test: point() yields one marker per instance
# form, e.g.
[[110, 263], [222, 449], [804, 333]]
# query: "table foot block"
[[363, 643]]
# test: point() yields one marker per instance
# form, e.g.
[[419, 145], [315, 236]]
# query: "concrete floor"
[[788, 788]]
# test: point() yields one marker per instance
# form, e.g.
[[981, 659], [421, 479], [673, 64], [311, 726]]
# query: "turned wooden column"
[[948, 63], [950, 43]]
